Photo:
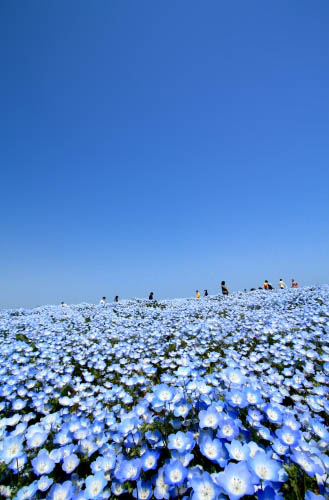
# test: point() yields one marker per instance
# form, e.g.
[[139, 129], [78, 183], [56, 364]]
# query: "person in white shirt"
[[102, 301], [282, 284]]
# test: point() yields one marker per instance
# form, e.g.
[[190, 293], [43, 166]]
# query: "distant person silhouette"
[[206, 293], [102, 301], [270, 286], [197, 294], [63, 304], [282, 284], [116, 298], [294, 284], [224, 288], [265, 285], [151, 296]]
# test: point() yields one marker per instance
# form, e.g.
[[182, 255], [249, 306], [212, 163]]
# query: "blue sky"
[[161, 146]]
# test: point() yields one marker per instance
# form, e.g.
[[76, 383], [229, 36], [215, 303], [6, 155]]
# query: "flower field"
[[217, 398]]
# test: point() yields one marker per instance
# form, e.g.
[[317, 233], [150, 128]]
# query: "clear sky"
[[161, 145]]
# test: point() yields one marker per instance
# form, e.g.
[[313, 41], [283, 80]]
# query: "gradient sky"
[[161, 145]]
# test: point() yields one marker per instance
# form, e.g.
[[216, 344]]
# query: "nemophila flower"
[[161, 490], [70, 463], [288, 436], [150, 459], [253, 396], [309, 495], [306, 463], [95, 485], [18, 463], [18, 404], [164, 393], [181, 409], [209, 418], [129, 470], [127, 425], [265, 467], [181, 441], [44, 483], [236, 480], [291, 422], [228, 429], [211, 448], [204, 488], [154, 437], [143, 491], [174, 473], [273, 414], [11, 448], [37, 439], [320, 430], [279, 447], [61, 491], [56, 455], [236, 398], [27, 492], [234, 376], [268, 494], [42, 463], [254, 417], [237, 450], [118, 488], [184, 458]]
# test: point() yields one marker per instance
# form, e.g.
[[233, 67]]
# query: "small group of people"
[[224, 291], [267, 286], [282, 285]]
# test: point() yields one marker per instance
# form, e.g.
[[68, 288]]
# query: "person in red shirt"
[[294, 284]]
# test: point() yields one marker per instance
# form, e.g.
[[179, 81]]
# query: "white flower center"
[[175, 475], [237, 485]]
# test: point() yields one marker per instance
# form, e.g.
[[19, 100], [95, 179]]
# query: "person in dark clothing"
[[224, 288], [206, 293], [116, 298], [151, 296], [252, 289]]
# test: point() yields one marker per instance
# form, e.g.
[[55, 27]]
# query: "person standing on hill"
[[116, 298], [206, 293], [102, 301], [265, 285], [151, 296], [282, 284], [197, 294], [224, 288]]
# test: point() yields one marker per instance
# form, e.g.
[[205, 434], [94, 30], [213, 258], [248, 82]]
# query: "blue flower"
[[288, 436], [237, 450], [143, 491], [161, 490], [150, 459], [44, 483], [27, 492], [306, 463], [265, 467], [182, 408], [70, 463], [95, 485], [42, 463], [273, 414], [11, 448], [204, 488], [129, 470], [181, 441], [236, 398], [63, 491], [175, 473], [309, 495], [209, 418], [211, 448], [164, 393], [236, 480]]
